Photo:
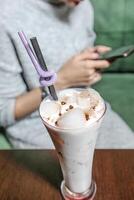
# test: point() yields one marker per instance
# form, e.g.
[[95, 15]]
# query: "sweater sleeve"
[[11, 81]]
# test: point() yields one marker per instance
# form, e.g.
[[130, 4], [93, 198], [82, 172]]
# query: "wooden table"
[[36, 175]]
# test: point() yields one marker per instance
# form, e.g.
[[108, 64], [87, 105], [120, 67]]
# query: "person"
[[64, 29]]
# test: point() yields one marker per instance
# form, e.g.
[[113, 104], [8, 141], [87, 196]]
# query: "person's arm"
[[27, 103], [15, 101], [14, 108]]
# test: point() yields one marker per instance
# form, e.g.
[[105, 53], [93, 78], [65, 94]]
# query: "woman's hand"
[[81, 70], [99, 49]]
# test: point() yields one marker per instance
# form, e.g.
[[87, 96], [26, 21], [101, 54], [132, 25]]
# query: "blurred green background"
[[114, 26]]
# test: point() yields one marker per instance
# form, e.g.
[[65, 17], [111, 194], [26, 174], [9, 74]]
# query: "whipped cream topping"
[[74, 108]]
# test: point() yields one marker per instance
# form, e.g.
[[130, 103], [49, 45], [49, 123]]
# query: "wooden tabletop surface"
[[36, 175]]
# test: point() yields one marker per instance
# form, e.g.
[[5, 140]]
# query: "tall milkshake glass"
[[75, 150]]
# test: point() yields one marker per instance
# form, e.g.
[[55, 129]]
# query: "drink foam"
[[74, 108]]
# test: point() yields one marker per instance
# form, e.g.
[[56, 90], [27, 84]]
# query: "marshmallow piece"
[[94, 98], [68, 99], [84, 101], [74, 118], [49, 110]]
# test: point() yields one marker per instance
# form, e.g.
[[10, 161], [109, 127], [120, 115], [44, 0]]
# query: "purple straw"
[[43, 74]]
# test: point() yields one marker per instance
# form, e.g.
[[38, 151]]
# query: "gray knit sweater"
[[62, 32]]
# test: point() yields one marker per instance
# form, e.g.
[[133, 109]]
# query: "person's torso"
[[61, 33]]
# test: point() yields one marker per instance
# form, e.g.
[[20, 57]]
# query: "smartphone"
[[114, 54]]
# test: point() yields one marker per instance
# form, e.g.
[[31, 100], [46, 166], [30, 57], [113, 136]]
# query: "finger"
[[87, 82], [90, 49], [102, 49], [91, 77], [97, 64], [96, 79], [88, 56], [89, 72]]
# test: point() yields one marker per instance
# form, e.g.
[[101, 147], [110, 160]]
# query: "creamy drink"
[[73, 122]]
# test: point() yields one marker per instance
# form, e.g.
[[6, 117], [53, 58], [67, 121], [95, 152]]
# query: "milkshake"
[[73, 122]]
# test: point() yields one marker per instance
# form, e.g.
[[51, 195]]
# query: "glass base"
[[88, 195]]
